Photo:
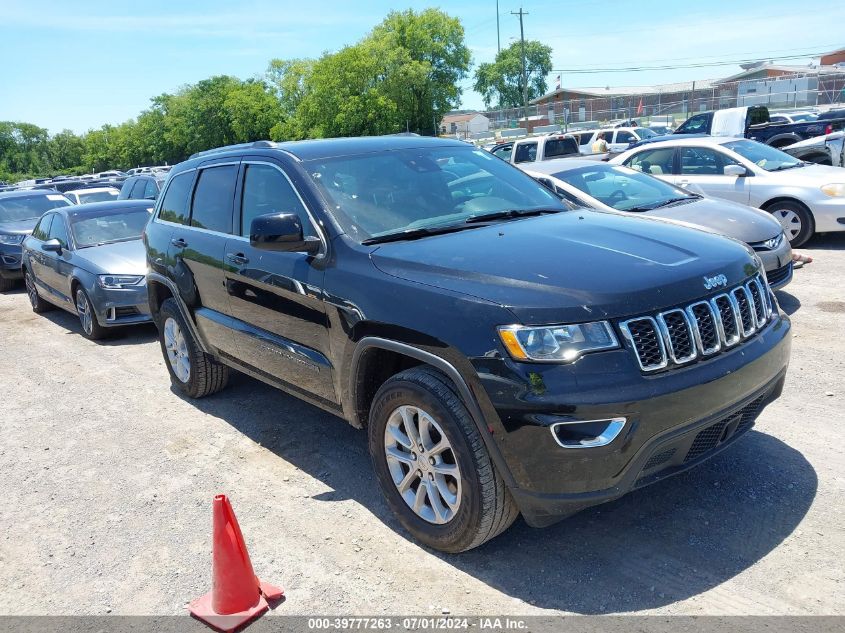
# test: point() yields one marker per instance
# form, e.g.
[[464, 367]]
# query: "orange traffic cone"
[[237, 595]]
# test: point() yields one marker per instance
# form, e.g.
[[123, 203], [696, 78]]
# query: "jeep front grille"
[[681, 335]]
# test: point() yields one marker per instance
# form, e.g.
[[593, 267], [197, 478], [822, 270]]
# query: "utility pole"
[[524, 75], [498, 33]]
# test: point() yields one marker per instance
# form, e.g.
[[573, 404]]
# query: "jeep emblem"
[[715, 281]]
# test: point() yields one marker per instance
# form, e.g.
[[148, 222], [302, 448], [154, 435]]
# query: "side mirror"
[[281, 232], [735, 170], [52, 246]]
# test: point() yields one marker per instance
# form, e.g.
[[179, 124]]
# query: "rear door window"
[[173, 207], [656, 162], [560, 147], [214, 198], [150, 190]]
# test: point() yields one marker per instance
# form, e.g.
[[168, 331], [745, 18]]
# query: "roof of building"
[[624, 91], [460, 118], [797, 70]]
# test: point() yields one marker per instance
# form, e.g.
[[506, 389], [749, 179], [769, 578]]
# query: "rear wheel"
[[91, 329], [796, 220], [192, 371], [38, 304], [432, 465]]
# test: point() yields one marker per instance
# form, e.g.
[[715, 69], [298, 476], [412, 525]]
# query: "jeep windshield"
[[411, 193]]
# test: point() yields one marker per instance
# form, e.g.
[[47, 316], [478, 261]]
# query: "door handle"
[[237, 258], [179, 243]]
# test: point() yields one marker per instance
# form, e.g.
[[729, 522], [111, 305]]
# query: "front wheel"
[[192, 371], [432, 465], [91, 329], [796, 220]]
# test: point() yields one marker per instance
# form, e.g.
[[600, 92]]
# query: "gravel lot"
[[108, 477]]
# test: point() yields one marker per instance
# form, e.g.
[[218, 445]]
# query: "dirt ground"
[[108, 475]]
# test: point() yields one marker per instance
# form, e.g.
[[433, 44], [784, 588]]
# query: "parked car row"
[[506, 352]]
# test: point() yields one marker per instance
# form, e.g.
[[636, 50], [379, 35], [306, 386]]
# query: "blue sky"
[[81, 64]]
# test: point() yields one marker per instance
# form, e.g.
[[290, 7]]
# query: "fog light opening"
[[587, 433]]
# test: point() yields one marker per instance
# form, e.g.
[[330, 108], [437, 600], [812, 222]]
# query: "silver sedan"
[[90, 261], [598, 185], [805, 198]]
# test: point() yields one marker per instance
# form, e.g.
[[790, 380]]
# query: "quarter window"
[[266, 190], [213, 199], [173, 207]]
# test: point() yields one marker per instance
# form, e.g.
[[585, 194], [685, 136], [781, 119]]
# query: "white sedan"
[[804, 197], [93, 194]]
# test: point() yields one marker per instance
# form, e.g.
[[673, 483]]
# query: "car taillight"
[[828, 129]]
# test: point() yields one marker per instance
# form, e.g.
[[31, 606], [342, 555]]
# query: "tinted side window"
[[42, 229], [654, 161], [138, 189], [560, 147], [126, 188], [150, 190], [213, 198], [625, 137], [266, 190], [694, 125], [58, 230], [525, 153], [174, 205]]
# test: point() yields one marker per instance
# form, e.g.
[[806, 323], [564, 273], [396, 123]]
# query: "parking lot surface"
[[108, 477]]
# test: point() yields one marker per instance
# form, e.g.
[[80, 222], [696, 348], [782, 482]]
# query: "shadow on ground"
[[665, 543], [825, 241], [124, 335]]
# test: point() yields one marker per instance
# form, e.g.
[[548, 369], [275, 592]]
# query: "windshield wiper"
[[412, 234], [665, 203], [787, 166], [508, 214]]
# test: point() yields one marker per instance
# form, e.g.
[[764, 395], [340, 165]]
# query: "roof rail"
[[226, 148]]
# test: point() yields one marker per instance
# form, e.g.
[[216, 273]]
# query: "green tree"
[[425, 86], [66, 151], [500, 82]]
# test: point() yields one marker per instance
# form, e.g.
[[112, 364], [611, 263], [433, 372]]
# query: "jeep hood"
[[572, 266]]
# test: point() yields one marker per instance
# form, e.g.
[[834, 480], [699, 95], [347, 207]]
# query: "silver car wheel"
[[31, 291], [422, 464], [83, 309], [177, 350], [790, 221]]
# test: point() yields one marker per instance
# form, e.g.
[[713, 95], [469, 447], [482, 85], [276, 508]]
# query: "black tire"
[[206, 375], [486, 507], [38, 304], [91, 329], [802, 213]]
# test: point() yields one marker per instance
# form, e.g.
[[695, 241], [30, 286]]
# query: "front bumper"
[[10, 261], [777, 264], [115, 308], [666, 413], [828, 214]]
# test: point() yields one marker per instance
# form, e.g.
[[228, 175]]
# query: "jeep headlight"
[[11, 239], [557, 343], [835, 190], [118, 282]]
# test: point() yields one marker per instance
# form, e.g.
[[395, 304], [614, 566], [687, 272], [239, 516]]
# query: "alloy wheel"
[[83, 309], [790, 221], [422, 464], [177, 350]]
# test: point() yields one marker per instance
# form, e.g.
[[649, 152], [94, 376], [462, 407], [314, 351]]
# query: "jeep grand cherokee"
[[506, 354]]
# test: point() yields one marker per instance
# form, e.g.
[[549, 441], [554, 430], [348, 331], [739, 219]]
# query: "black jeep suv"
[[507, 354]]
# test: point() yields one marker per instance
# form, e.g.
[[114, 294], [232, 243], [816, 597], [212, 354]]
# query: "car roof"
[[96, 208], [330, 147], [699, 140], [557, 165], [92, 190], [26, 193]]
